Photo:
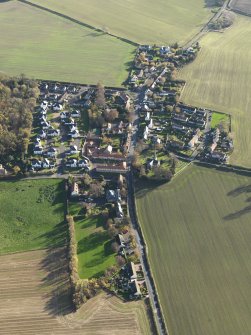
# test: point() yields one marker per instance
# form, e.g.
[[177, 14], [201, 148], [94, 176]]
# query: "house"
[[36, 164], [75, 190], [147, 118], [74, 133], [134, 286], [44, 105], [74, 150], [64, 115], [75, 114], [53, 132], [219, 156], [57, 107], [213, 146], [42, 134], [150, 126], [132, 271], [123, 99], [72, 163], [46, 164], [180, 118], [45, 125], [164, 50], [113, 195], [38, 150], [193, 141], [178, 127], [83, 163], [52, 152], [153, 163], [133, 79], [113, 168]]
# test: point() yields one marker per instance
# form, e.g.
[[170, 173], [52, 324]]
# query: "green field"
[[198, 233], [219, 119], [142, 21], [94, 247], [32, 215], [45, 46], [220, 78]]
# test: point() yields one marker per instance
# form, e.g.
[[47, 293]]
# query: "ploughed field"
[[198, 231], [45, 46], [220, 79], [35, 299], [242, 6], [142, 21]]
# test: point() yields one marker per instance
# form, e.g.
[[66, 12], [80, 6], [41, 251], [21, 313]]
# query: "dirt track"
[[34, 299]]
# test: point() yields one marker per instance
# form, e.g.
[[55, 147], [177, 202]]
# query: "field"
[[35, 299], [32, 215], [142, 21], [243, 6], [45, 46], [94, 247], [198, 233], [220, 79]]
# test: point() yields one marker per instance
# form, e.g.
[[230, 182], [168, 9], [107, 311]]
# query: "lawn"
[[142, 21], [46, 46], [219, 119], [198, 232], [32, 215], [94, 247], [220, 79]]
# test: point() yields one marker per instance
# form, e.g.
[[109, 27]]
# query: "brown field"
[[35, 299], [243, 6]]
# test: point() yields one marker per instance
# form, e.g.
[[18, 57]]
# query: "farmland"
[[220, 79], [242, 6], [197, 228], [142, 21], [46, 46], [94, 247], [35, 299], [32, 215]]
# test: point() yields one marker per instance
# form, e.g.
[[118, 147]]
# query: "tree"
[[100, 95], [115, 247], [112, 231], [120, 261], [111, 114], [87, 179], [96, 189]]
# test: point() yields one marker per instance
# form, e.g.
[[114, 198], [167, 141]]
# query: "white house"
[[75, 113], [52, 152], [38, 150], [36, 164], [57, 107], [74, 150], [74, 134], [73, 163], [44, 105]]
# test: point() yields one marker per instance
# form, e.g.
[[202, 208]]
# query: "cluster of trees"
[[18, 98], [224, 21]]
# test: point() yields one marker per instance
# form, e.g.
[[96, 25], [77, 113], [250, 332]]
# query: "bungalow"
[[113, 195], [36, 164], [38, 150], [76, 114], [57, 107], [75, 190], [74, 150], [74, 133], [69, 122], [53, 132], [72, 163], [44, 105], [52, 152]]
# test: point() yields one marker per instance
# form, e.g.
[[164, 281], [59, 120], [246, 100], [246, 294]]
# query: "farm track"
[[35, 299]]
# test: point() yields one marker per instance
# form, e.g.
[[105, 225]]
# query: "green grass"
[[219, 119], [198, 232], [94, 247], [45, 46], [142, 21], [32, 215], [220, 79]]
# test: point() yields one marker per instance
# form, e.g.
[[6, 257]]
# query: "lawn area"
[[46, 46], [219, 119], [220, 79], [142, 21], [198, 232], [32, 215], [94, 247]]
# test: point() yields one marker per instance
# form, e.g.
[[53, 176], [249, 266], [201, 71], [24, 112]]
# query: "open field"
[[220, 79], [94, 247], [198, 233], [35, 299], [32, 215], [46, 46], [243, 6], [142, 21]]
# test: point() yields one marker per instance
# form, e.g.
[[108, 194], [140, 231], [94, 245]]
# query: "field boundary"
[[83, 24], [238, 11]]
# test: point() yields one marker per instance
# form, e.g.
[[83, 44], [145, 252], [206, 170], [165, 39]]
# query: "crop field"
[[197, 228], [35, 299], [32, 215], [242, 6], [46, 46], [220, 79], [94, 247], [142, 21]]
